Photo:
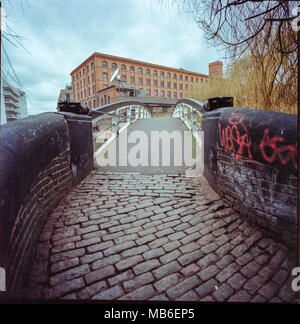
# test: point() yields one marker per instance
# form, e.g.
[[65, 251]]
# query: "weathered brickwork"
[[121, 237], [265, 195], [38, 157], [47, 191], [251, 161]]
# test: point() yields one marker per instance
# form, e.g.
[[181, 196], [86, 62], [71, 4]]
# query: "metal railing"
[[190, 112], [120, 115]]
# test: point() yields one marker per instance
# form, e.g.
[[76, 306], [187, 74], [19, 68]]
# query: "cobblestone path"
[[137, 237]]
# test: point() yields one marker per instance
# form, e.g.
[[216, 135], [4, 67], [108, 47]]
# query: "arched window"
[[104, 64]]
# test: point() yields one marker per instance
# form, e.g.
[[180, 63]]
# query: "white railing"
[[119, 118]]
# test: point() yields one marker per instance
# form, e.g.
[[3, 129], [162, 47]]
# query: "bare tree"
[[238, 24]]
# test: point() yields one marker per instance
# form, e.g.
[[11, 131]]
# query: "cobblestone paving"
[[136, 237]]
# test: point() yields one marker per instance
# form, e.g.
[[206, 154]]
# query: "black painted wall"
[[251, 162], [36, 157]]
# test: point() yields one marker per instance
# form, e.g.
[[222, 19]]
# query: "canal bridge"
[[71, 228]]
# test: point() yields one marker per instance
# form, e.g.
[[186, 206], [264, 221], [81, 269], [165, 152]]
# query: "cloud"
[[61, 34]]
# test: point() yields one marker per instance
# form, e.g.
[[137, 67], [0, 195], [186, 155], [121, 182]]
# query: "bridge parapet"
[[251, 162], [41, 158]]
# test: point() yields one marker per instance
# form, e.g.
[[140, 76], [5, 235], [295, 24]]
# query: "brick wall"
[[37, 162], [251, 161]]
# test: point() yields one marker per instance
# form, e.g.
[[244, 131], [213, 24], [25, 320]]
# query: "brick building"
[[91, 78]]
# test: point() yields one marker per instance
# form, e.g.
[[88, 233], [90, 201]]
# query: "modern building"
[[92, 86], [66, 94], [13, 103]]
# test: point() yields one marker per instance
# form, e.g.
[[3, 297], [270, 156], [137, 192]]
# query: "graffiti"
[[285, 153], [235, 137]]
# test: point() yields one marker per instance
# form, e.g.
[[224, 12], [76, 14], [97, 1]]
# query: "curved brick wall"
[[36, 157], [251, 162]]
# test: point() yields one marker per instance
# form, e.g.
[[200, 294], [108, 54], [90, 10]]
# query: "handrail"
[[198, 105], [114, 106]]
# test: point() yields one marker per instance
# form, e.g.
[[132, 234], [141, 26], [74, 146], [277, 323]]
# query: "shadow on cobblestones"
[[137, 237]]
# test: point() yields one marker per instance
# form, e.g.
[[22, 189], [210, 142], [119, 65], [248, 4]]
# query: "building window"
[[169, 94], [175, 85], [92, 65], [124, 79], [132, 80], [180, 77], [102, 102], [84, 93], [114, 66], [123, 67], [162, 74], [162, 84], [104, 64], [148, 82], [192, 79], [148, 92], [201, 80], [132, 69], [105, 86], [180, 86], [162, 93], [175, 76], [175, 95], [108, 99], [155, 93], [155, 83], [169, 85], [104, 76], [168, 75], [181, 95], [140, 70], [89, 91], [197, 80], [141, 81], [93, 90], [155, 73], [186, 78], [148, 71]]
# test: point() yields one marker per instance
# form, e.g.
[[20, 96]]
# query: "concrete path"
[[156, 237], [146, 126]]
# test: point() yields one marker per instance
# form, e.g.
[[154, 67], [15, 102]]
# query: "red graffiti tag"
[[290, 150], [235, 136]]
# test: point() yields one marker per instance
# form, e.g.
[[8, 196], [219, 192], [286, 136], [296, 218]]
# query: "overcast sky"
[[60, 34]]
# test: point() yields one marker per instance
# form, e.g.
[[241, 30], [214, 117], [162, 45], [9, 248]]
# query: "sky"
[[58, 35]]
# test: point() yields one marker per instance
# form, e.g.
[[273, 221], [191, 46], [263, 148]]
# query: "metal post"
[[129, 114], [115, 121], [137, 112], [194, 120]]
